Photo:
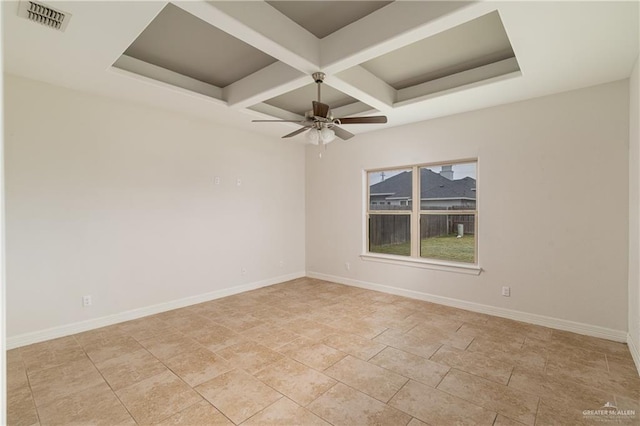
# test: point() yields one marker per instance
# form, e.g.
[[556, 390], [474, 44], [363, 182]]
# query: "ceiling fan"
[[322, 126]]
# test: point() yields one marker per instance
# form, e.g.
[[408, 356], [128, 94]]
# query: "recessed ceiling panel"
[[479, 42], [299, 101], [322, 18], [180, 42]]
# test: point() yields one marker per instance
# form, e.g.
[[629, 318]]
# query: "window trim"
[[415, 212]]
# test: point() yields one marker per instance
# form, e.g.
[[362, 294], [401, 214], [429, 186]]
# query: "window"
[[442, 227]]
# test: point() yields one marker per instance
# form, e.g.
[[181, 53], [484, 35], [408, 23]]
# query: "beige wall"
[[117, 201], [553, 205], [634, 212]]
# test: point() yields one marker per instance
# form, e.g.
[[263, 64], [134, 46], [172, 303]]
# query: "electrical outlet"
[[239, 182], [86, 301], [347, 266], [506, 291], [282, 263], [243, 271], [216, 180]]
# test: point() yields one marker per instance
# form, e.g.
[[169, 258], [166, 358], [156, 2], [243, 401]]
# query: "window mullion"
[[415, 213]]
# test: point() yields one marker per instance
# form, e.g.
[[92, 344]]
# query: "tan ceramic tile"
[[558, 390], [354, 345], [492, 332], [51, 353], [626, 386], [273, 315], [111, 347], [590, 343], [552, 413], [622, 365], [411, 344], [144, 328], [130, 368], [285, 412], [313, 354], [13, 357], [342, 405], [57, 382], [508, 354], [310, 329], [367, 329], [505, 421], [513, 403], [198, 366], [169, 345], [239, 322], [188, 323], [96, 405], [295, 380], [201, 413], [98, 334], [216, 337], [157, 397], [439, 408], [411, 366], [559, 351], [270, 335], [238, 395], [16, 376], [474, 363], [250, 356], [416, 422], [21, 411], [375, 381]]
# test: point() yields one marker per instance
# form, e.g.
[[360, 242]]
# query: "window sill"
[[423, 263]]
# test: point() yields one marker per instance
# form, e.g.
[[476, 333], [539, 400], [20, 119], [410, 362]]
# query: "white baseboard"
[[635, 353], [560, 324], [78, 327]]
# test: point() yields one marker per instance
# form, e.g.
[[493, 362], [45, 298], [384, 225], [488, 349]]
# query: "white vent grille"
[[43, 14]]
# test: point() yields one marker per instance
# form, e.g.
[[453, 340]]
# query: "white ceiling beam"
[[263, 27], [507, 68], [155, 74], [392, 27], [266, 111], [359, 83], [269, 82]]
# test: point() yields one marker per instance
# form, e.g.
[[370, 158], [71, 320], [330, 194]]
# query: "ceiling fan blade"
[[297, 132], [363, 120], [320, 109], [342, 133], [277, 121]]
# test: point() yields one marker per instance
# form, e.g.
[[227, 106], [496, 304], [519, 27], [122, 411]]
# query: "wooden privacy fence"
[[396, 229]]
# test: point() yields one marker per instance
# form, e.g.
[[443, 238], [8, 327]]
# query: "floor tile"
[[285, 412], [250, 356], [270, 335], [238, 395], [515, 404], [216, 337], [439, 408], [310, 329], [21, 411], [239, 323], [474, 363], [505, 421], [368, 378], [342, 405], [554, 413], [96, 405], [201, 413], [295, 380], [51, 353], [313, 354], [166, 346], [411, 344], [57, 382], [130, 368], [111, 347], [354, 345], [198, 366], [144, 328], [157, 397], [412, 366]]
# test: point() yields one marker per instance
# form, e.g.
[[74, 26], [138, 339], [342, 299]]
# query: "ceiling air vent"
[[43, 14]]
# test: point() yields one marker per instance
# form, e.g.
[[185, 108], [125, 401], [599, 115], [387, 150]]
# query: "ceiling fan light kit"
[[323, 127]]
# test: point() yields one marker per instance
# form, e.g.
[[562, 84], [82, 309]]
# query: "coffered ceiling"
[[233, 61]]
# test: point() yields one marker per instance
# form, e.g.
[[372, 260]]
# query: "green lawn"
[[443, 248]]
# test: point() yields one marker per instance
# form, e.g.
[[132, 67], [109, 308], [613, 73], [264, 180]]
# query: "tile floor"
[[310, 352]]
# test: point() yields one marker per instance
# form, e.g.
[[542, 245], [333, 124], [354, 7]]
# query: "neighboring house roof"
[[432, 185]]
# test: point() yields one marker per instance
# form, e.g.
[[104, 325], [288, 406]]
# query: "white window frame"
[[415, 212]]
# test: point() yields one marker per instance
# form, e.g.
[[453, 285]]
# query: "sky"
[[459, 171]]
